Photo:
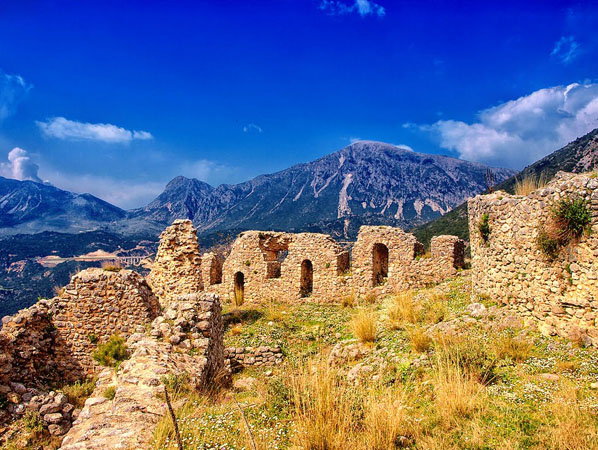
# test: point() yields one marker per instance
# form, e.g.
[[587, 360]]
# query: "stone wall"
[[177, 267], [95, 305], [386, 259], [284, 266], [128, 420], [242, 357], [562, 294]]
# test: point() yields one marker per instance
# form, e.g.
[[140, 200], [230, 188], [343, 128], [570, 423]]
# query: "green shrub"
[[177, 383], [79, 391], [92, 338], [112, 353], [572, 218], [33, 422], [110, 392], [550, 246], [484, 227]]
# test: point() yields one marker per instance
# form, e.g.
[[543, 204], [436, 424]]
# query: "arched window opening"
[[239, 293], [307, 278]]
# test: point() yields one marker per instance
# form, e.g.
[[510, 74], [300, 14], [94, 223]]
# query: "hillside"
[[578, 156]]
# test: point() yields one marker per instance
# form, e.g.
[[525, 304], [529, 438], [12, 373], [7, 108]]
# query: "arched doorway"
[[307, 278], [239, 294], [379, 264]]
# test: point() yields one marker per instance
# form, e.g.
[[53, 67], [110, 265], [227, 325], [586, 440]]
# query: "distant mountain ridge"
[[365, 182], [367, 178]]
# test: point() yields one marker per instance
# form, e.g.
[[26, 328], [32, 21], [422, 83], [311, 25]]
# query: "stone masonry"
[[561, 294], [177, 266], [128, 420]]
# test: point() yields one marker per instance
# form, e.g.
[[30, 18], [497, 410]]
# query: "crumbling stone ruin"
[[197, 352], [177, 266], [561, 293]]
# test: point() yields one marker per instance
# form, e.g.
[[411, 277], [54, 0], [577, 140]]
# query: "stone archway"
[[239, 291], [307, 278], [379, 264]]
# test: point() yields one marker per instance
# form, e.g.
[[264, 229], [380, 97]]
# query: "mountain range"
[[366, 182]]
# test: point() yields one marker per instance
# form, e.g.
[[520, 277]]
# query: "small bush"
[[112, 353], [572, 218], [484, 227], [236, 329], [548, 245], [363, 325], [92, 338], [110, 392], [111, 266], [33, 422], [348, 301], [78, 392], [177, 383]]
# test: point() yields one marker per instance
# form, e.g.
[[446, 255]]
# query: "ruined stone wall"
[[95, 305], [284, 266], [242, 357], [177, 267], [562, 294], [386, 259], [187, 341], [53, 340]]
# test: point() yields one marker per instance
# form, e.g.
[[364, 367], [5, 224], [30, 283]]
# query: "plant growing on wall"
[[570, 218], [484, 227]]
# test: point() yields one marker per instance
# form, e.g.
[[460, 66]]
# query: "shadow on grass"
[[245, 316]]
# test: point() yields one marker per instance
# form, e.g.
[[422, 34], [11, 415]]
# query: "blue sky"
[[115, 98]]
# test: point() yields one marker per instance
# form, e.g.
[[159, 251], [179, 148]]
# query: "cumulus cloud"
[[521, 131], [361, 7], [61, 128], [13, 90], [252, 128], [19, 166], [566, 49]]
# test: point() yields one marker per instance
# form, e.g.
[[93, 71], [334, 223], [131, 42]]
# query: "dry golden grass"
[[236, 329], [419, 340], [370, 298], [364, 325], [386, 419], [516, 349], [348, 301], [324, 410], [402, 310], [111, 266], [529, 184], [573, 428], [567, 366], [458, 395]]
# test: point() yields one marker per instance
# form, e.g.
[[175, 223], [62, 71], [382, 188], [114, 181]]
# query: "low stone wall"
[[177, 267], [242, 357], [95, 305], [561, 294], [128, 420]]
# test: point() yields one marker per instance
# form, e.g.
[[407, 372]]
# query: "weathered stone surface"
[[560, 294], [177, 266]]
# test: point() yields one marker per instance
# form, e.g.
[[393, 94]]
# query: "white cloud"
[[361, 7], [521, 131], [566, 49], [61, 128], [404, 147], [252, 127], [19, 166], [13, 90]]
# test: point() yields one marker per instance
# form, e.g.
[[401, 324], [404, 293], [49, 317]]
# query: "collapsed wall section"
[[177, 267], [509, 265]]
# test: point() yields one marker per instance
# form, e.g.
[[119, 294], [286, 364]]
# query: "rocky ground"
[[443, 371], [429, 369]]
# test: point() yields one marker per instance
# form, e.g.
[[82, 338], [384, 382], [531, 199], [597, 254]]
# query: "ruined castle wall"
[[386, 259], [561, 294], [186, 341], [284, 266], [95, 305], [177, 267]]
